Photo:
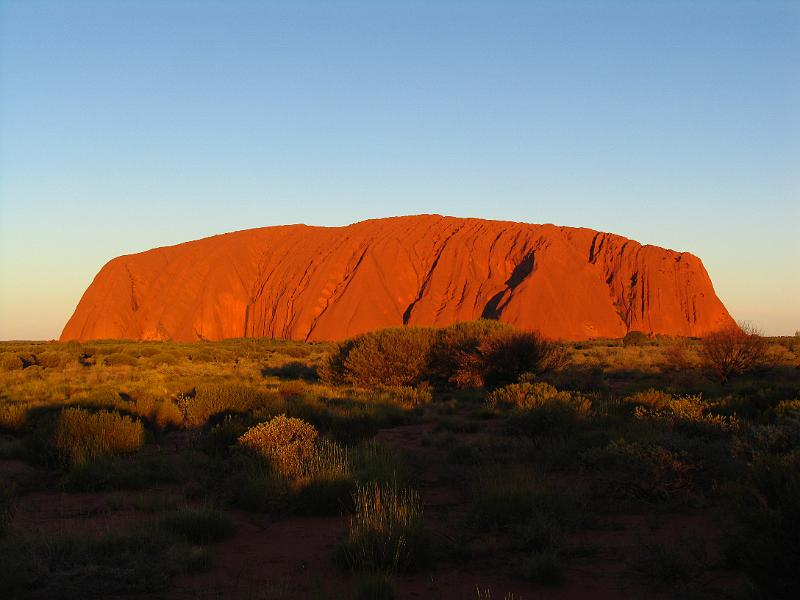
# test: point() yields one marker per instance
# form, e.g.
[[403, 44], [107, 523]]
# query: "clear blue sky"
[[126, 125]]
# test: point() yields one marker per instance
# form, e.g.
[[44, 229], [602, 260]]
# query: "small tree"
[[732, 350]]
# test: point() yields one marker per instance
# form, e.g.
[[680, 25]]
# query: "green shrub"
[[82, 435], [386, 533], [287, 443], [457, 341], [199, 526], [387, 357]]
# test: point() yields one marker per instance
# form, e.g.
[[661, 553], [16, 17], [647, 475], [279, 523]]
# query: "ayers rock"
[[328, 283]]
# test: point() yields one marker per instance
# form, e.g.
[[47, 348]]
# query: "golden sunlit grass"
[[81, 435]]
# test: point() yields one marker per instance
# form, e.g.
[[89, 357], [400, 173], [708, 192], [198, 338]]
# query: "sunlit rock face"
[[329, 283]]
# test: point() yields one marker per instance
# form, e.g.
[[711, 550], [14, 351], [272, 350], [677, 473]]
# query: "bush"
[[162, 358], [541, 406], [386, 533], [387, 357], [635, 338], [630, 471], [688, 413], [287, 443], [214, 399], [505, 355], [10, 361], [732, 351], [82, 435], [52, 359], [465, 354], [119, 359]]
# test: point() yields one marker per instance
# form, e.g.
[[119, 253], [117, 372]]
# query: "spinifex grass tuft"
[[387, 532]]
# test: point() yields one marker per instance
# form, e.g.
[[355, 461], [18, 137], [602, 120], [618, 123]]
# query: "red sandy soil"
[[328, 283]]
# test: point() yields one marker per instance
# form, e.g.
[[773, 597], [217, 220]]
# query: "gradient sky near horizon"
[[128, 125]]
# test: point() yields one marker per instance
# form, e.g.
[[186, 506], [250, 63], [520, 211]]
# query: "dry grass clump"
[[286, 442], [386, 533], [13, 415], [406, 397], [82, 435], [161, 412]]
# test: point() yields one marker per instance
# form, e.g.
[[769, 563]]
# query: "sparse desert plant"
[[52, 359], [286, 442], [82, 435], [386, 533], [732, 350]]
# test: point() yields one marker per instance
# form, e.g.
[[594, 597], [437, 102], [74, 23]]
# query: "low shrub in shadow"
[[374, 586], [544, 566], [680, 562], [82, 435], [628, 471], [141, 561], [766, 540], [7, 503], [119, 473], [199, 526], [387, 532]]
